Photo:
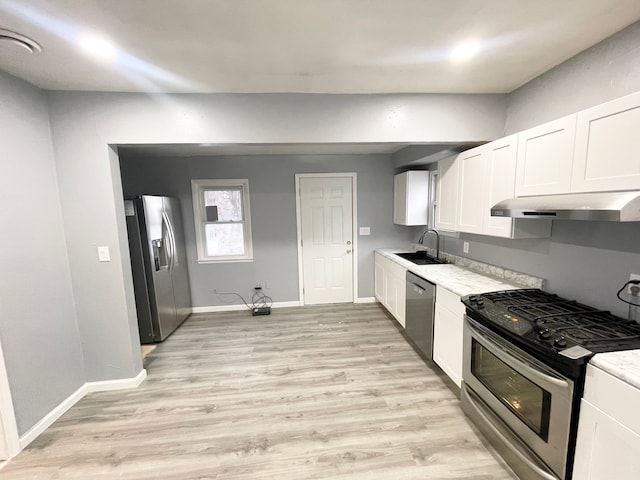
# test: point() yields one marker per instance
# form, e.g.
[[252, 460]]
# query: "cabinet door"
[[500, 179], [605, 448], [411, 197], [447, 343], [545, 157], [471, 174], [389, 296], [396, 286], [401, 298], [400, 199], [607, 144], [379, 278], [447, 203]]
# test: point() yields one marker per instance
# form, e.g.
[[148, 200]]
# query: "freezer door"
[[139, 266], [159, 242], [178, 261]]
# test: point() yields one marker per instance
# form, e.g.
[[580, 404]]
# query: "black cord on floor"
[[259, 299]]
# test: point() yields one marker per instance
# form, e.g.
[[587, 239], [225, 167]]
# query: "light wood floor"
[[307, 393]]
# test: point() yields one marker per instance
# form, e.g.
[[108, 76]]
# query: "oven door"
[[506, 387]]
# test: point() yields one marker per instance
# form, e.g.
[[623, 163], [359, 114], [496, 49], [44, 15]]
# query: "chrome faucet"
[[421, 239]]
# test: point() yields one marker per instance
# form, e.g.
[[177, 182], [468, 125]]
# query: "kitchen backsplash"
[[486, 269]]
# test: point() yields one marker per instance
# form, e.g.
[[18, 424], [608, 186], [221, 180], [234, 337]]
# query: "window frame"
[[198, 187], [433, 198]]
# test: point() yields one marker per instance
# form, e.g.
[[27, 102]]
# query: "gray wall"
[[588, 261], [38, 324], [273, 212], [608, 70], [585, 261], [84, 124]]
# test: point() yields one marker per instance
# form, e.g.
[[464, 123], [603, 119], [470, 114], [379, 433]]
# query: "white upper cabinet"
[[500, 177], [607, 146], [487, 176], [411, 198], [471, 177], [447, 202], [545, 157]]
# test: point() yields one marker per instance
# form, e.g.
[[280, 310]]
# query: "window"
[[222, 220]]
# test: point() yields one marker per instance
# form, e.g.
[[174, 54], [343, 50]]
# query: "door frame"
[[9, 436], [354, 226]]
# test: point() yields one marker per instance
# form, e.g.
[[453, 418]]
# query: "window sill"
[[225, 260]]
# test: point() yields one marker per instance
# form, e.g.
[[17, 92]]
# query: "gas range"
[[561, 332]]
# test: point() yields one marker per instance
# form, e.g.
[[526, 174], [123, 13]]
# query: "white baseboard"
[[295, 303], [234, 308], [120, 384], [74, 398], [365, 300], [52, 416]]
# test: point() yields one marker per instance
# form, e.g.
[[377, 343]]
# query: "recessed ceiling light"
[[465, 50], [99, 47], [25, 43]]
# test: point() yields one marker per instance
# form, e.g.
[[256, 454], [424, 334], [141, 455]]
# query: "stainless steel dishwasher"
[[420, 310]]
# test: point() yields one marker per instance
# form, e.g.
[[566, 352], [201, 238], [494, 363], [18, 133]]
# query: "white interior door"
[[326, 229]]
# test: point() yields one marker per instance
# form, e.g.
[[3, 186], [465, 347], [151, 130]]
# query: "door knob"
[[348, 250], [348, 242]]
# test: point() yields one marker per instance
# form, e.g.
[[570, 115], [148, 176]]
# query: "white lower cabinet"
[[447, 334], [390, 286], [608, 445]]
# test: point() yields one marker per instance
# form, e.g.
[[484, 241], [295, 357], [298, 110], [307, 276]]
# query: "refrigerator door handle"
[[171, 240]]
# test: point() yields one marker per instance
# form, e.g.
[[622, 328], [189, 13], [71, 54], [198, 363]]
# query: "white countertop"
[[624, 365], [457, 279]]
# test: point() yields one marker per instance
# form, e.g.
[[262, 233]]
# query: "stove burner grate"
[[584, 325]]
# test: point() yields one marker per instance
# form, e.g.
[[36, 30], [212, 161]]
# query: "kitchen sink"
[[420, 257]]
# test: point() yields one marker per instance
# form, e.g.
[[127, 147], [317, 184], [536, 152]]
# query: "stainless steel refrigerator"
[[159, 265]]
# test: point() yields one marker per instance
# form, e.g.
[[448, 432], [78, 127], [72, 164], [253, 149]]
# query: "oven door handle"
[[508, 355]]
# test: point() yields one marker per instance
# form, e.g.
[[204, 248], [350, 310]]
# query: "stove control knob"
[[480, 302], [544, 334], [560, 342], [473, 298]]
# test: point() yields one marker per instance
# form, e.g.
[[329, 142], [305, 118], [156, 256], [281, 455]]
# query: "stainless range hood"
[[601, 206]]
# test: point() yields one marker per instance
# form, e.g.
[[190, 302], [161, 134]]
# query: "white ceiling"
[[315, 46]]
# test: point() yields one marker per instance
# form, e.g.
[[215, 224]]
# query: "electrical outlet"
[[465, 247], [633, 276]]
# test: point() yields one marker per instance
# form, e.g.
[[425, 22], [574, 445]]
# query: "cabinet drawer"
[[449, 300]]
